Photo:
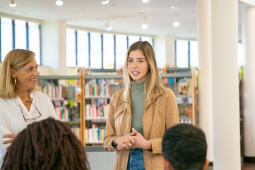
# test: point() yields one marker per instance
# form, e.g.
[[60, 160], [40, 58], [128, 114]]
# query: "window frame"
[[27, 38], [102, 54], [187, 55]]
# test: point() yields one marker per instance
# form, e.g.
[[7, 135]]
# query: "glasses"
[[31, 119]]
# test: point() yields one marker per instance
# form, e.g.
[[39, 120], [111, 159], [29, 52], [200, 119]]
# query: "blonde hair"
[[153, 81], [15, 59]]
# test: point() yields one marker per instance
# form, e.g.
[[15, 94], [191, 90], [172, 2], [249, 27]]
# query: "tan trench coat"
[[160, 114]]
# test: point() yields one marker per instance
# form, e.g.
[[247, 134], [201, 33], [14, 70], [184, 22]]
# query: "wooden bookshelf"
[[168, 75], [176, 73]]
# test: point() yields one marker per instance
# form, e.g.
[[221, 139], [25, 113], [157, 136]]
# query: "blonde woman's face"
[[137, 65], [26, 76]]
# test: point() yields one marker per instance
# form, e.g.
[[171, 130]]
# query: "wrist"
[[148, 145], [114, 142]]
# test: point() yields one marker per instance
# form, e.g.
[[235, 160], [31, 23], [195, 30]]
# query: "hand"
[[12, 136], [125, 141], [140, 141]]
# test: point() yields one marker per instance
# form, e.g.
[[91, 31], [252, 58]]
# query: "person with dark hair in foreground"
[[46, 145], [184, 147]]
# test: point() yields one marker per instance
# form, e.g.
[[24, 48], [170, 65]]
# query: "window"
[[82, 49], [121, 49], [240, 59], [193, 54], [132, 40], [34, 40], [108, 51], [20, 35], [6, 37], [70, 48], [182, 52], [149, 39], [95, 51]]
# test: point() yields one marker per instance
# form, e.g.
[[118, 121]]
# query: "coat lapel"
[[126, 101]]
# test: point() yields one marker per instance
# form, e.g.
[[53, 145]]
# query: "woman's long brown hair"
[[45, 145]]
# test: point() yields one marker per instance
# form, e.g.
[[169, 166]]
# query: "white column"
[[249, 81], [54, 46], [205, 72], [164, 49], [225, 98]]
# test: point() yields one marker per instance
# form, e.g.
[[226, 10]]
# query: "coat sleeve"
[[172, 113], [110, 132], [171, 119]]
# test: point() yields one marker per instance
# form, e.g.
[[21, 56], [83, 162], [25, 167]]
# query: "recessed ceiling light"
[[176, 24], [174, 7], [145, 1], [59, 2], [105, 2], [81, 13]]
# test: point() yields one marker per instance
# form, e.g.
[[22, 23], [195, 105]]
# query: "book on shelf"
[[102, 87], [67, 110], [95, 134], [180, 87], [185, 111], [76, 131], [56, 91], [189, 121], [98, 108]]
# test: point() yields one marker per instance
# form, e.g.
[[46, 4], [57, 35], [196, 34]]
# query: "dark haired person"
[[184, 147], [45, 145]]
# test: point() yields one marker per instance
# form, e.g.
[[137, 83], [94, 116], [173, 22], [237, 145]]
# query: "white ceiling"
[[125, 16]]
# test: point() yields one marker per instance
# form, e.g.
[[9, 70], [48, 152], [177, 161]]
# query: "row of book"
[[97, 111], [59, 92], [102, 89], [182, 87], [95, 134], [185, 110], [189, 121], [62, 113]]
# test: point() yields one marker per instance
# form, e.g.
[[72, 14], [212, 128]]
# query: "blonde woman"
[[20, 103], [140, 113]]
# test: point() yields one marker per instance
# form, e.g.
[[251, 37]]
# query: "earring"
[[15, 82]]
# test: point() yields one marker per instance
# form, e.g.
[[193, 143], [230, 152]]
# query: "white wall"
[[54, 46], [164, 46]]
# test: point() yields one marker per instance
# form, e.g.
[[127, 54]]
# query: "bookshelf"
[[94, 105]]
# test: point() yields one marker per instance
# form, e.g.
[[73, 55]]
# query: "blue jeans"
[[135, 160]]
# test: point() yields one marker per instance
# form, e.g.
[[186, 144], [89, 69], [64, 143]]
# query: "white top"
[[11, 118]]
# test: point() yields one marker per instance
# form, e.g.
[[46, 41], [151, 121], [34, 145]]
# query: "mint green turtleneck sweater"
[[137, 105]]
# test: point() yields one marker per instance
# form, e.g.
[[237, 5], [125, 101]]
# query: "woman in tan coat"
[[140, 113]]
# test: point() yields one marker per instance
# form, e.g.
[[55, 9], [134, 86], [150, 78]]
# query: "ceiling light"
[[105, 2], [144, 26], [81, 13], [12, 4], [176, 24], [108, 27], [174, 7], [145, 1], [176, 21], [59, 2]]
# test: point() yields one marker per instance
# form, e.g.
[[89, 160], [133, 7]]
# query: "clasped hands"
[[134, 140]]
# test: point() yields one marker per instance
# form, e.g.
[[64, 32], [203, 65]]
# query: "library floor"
[[245, 166]]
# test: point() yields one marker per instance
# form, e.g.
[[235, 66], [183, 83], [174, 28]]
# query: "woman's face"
[[26, 76], [137, 65]]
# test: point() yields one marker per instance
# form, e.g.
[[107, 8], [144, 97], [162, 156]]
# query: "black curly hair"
[[45, 145], [184, 147]]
